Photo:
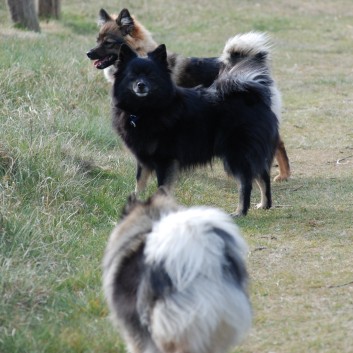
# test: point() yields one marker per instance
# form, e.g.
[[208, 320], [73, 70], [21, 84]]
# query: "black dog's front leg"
[[167, 173], [142, 175]]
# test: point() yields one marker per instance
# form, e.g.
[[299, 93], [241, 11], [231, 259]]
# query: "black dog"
[[170, 128], [185, 71]]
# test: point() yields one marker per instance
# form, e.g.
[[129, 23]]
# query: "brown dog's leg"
[[283, 162]]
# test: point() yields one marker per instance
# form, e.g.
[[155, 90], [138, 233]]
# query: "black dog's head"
[[142, 83], [112, 35]]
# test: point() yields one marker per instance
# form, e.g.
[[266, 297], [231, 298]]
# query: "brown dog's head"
[[115, 31], [111, 36]]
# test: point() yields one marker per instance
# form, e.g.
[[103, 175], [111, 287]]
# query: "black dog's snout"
[[141, 85]]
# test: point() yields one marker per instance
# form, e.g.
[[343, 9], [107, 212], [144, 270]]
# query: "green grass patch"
[[79, 23]]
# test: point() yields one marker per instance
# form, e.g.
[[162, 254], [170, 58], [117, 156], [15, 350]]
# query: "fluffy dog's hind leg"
[[264, 184]]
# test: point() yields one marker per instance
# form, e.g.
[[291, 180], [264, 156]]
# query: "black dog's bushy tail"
[[251, 74], [256, 47], [245, 65], [243, 46]]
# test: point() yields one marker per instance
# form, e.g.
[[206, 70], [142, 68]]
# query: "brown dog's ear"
[[103, 18], [159, 54], [125, 22]]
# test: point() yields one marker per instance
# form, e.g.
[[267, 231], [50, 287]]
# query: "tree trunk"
[[49, 9], [23, 14]]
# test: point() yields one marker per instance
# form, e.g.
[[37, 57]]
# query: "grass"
[[64, 175]]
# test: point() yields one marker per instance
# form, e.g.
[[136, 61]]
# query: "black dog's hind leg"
[[167, 172], [264, 183], [142, 175], [245, 187], [244, 180]]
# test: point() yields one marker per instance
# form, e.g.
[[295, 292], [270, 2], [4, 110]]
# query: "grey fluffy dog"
[[175, 278]]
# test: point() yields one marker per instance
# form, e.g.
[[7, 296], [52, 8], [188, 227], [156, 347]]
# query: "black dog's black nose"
[[89, 54], [141, 85]]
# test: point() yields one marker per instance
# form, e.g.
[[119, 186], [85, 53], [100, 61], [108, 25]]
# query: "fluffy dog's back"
[[190, 292]]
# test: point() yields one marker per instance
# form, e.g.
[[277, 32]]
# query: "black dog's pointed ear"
[[104, 17], [125, 22], [126, 54], [159, 54]]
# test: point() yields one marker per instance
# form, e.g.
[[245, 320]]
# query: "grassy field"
[[64, 175]]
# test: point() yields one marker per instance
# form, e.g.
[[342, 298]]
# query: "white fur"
[[249, 44], [109, 73], [242, 74], [205, 305], [276, 102], [184, 239]]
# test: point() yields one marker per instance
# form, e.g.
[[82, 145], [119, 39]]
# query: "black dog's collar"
[[133, 120]]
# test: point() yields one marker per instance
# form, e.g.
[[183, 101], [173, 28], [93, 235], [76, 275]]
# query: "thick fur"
[[186, 72], [170, 128], [175, 279]]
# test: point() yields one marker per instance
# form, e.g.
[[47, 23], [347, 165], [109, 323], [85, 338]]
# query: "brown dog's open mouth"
[[105, 62]]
